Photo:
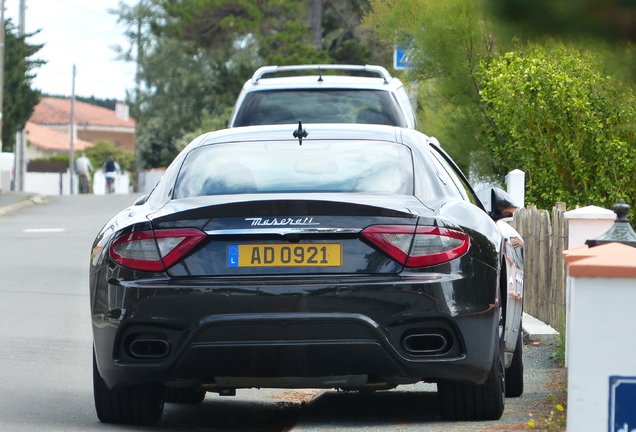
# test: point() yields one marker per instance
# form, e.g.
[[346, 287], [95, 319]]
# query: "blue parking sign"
[[622, 405], [401, 59]]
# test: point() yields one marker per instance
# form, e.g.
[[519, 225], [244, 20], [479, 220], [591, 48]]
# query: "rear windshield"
[[315, 166], [319, 106]]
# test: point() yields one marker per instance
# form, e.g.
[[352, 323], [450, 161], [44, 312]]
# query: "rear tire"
[[514, 374], [137, 404], [461, 401], [188, 396]]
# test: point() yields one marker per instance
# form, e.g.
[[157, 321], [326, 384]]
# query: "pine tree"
[[19, 99]]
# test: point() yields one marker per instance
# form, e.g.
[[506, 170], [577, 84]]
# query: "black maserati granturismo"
[[353, 257]]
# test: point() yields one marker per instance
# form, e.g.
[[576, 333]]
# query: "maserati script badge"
[[283, 221]]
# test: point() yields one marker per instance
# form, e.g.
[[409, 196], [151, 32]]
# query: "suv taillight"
[[154, 250], [418, 246]]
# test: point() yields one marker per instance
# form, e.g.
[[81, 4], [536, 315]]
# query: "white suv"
[[364, 94]]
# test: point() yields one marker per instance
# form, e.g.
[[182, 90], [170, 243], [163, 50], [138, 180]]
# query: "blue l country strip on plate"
[[283, 255]]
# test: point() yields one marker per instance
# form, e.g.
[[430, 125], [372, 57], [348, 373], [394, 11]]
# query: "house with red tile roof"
[[45, 142], [92, 123]]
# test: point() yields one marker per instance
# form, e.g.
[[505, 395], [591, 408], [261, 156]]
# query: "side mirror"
[[141, 200], [501, 204]]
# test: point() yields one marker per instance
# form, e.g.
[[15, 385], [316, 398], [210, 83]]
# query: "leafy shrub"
[[553, 112], [56, 158]]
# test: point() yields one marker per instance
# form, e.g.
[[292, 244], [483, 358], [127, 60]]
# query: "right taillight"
[[154, 250], [419, 246]]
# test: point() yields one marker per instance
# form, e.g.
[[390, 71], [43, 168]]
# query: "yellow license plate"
[[279, 255]]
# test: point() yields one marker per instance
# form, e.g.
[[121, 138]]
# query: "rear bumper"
[[393, 332]]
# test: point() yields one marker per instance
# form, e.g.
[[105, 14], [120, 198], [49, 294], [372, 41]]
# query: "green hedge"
[[553, 112]]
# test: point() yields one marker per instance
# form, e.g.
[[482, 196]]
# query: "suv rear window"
[[318, 166], [319, 106]]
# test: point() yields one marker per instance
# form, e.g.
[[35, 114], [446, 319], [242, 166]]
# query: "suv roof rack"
[[266, 70]]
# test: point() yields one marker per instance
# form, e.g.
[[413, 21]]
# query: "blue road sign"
[[400, 58], [622, 404]]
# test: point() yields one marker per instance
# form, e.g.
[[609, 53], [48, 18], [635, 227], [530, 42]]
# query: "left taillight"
[[419, 246], [154, 250]]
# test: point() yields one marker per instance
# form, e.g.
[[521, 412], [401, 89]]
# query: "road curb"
[[538, 331], [27, 202]]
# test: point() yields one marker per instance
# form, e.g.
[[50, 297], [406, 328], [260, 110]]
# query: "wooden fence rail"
[[545, 236]]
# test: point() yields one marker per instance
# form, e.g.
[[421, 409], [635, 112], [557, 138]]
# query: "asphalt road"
[[45, 350]]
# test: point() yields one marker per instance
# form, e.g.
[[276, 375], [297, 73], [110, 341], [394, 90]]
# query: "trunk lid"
[[290, 234]]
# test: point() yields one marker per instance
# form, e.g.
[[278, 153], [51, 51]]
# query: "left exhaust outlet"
[[427, 344], [149, 348]]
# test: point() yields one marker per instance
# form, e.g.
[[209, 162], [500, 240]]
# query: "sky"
[[80, 33]]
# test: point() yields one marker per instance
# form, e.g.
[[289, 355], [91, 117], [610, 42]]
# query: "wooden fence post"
[[544, 271], [558, 276]]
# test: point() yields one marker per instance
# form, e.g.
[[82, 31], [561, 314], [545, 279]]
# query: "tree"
[[176, 81], [137, 19], [612, 20], [446, 41], [180, 84], [193, 58], [555, 112], [291, 46], [314, 31], [315, 12], [552, 110], [19, 99], [344, 37], [209, 122], [220, 23], [102, 150]]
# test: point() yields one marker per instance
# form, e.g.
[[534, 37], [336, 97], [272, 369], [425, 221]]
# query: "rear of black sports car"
[[359, 291]]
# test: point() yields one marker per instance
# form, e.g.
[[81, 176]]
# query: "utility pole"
[[315, 8], [20, 138], [1, 74], [22, 17], [71, 159]]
